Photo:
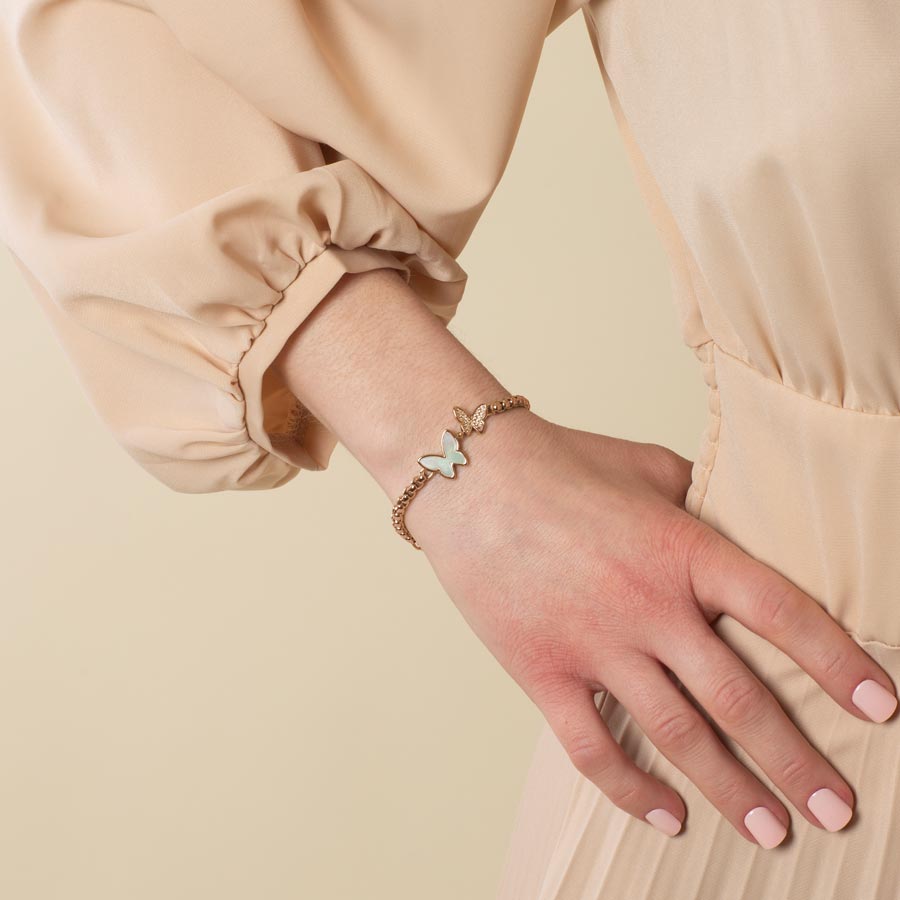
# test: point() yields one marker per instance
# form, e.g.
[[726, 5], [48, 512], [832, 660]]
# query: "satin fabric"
[[182, 182], [765, 140]]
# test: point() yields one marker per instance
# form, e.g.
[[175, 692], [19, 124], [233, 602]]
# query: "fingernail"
[[664, 821], [876, 702], [829, 809], [763, 825]]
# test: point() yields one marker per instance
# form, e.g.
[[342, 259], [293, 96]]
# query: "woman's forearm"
[[379, 369]]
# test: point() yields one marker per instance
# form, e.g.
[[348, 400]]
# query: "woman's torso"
[[765, 139]]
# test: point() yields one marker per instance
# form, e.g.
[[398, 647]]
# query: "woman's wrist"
[[480, 507], [382, 372]]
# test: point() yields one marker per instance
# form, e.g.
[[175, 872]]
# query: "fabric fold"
[[181, 185]]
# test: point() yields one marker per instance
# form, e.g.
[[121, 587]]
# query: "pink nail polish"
[[876, 702], [763, 825], [664, 821], [829, 809]]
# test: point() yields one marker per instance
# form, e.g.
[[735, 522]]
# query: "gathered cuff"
[[276, 420], [174, 325]]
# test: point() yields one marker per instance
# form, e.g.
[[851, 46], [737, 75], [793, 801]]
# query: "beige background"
[[193, 706]]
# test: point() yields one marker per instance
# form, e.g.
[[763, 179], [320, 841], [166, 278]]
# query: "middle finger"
[[748, 711]]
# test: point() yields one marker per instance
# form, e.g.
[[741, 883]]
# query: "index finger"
[[725, 577]]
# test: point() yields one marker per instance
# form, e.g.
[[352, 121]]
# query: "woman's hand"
[[572, 557]]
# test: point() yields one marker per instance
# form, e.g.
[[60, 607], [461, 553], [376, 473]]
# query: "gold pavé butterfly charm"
[[475, 421], [452, 456]]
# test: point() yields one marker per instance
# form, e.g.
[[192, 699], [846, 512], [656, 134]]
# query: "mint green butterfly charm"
[[452, 456]]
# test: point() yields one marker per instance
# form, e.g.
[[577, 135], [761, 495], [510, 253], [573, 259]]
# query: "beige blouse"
[[182, 181]]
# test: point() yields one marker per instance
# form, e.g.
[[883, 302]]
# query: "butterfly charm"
[[475, 421], [452, 456]]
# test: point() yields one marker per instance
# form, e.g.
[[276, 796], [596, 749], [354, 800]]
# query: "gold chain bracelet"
[[451, 456]]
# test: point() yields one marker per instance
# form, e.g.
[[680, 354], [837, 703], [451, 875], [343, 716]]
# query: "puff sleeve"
[[182, 181]]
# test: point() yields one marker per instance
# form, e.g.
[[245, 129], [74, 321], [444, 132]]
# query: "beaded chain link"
[[450, 457]]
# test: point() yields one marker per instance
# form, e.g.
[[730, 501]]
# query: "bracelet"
[[451, 457]]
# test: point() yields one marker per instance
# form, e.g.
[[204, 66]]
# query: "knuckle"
[[702, 550], [834, 661], [550, 693], [675, 548], [591, 759], [624, 794], [729, 790], [702, 542], [678, 731], [738, 699], [622, 577], [541, 656], [669, 466], [776, 608], [794, 772], [680, 535]]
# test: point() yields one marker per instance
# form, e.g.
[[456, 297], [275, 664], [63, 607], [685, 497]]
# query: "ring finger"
[[677, 728]]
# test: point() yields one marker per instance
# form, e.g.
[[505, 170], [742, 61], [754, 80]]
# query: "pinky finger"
[[595, 753]]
